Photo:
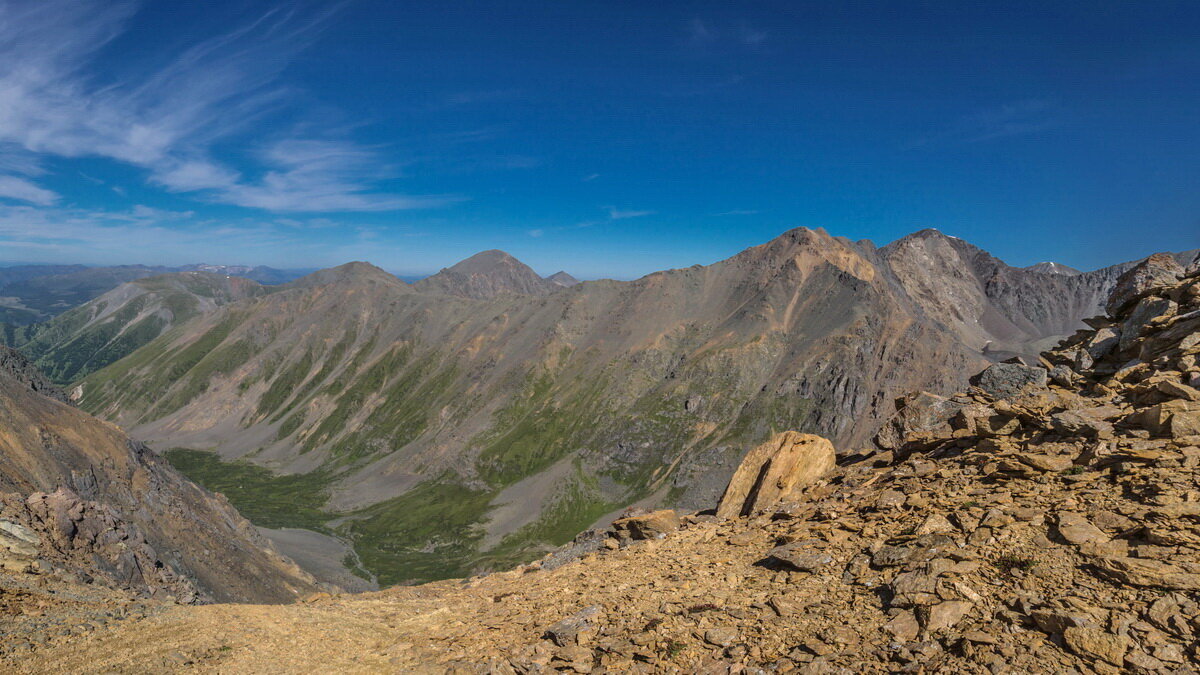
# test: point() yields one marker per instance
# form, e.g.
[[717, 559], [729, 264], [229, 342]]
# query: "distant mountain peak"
[[562, 279], [351, 272], [488, 274], [1053, 268], [487, 261]]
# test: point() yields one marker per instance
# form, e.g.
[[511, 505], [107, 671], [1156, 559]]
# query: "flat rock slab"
[[801, 557]]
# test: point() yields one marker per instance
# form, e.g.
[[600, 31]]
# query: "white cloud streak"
[[172, 121], [20, 189], [103, 237]]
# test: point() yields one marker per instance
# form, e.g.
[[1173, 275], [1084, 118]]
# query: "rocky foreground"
[[1048, 520]]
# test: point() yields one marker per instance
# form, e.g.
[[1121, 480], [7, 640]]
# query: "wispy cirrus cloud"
[[1011, 119], [702, 33], [172, 119], [306, 175]]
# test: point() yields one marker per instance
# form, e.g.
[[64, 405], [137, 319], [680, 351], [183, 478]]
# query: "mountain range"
[[34, 293], [1042, 521], [479, 416]]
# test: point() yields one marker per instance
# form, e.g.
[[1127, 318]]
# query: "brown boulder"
[[1076, 529], [653, 525], [921, 413], [1177, 418], [1179, 390], [775, 471]]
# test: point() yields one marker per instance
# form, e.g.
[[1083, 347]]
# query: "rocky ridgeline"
[[1048, 520]]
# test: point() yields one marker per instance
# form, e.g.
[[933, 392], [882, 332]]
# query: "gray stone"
[[1104, 341], [567, 631], [1007, 380], [721, 637], [1145, 310]]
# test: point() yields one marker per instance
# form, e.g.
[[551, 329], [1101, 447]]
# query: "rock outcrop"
[[106, 507], [775, 472], [18, 366], [87, 542], [1158, 272]]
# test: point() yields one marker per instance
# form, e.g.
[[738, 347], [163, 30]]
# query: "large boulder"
[[1008, 380], [1157, 271], [776, 471]]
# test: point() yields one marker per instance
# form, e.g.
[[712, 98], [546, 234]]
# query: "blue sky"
[[607, 139]]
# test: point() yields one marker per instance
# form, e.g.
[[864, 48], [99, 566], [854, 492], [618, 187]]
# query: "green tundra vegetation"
[[264, 498]]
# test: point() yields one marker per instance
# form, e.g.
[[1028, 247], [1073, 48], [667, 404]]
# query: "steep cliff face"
[[18, 367], [112, 496], [518, 419]]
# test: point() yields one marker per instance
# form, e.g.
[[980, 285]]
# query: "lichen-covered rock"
[[1097, 644], [801, 556], [18, 546]]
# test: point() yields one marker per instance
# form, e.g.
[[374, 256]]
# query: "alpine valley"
[[482, 416]]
